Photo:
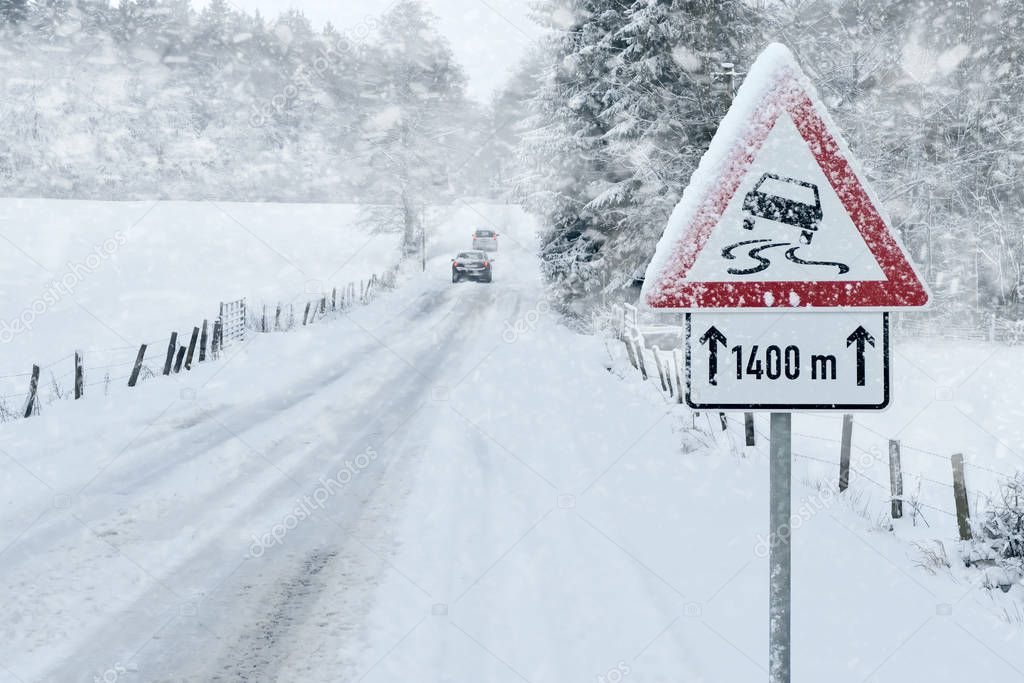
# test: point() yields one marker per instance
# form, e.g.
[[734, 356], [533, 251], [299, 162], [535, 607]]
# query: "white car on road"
[[486, 240]]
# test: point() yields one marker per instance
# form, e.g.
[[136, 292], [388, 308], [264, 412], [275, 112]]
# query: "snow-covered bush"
[[999, 535]]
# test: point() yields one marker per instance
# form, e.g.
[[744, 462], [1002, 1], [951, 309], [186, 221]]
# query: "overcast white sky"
[[488, 36]]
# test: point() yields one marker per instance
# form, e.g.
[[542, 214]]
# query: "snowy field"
[[104, 277], [449, 485]]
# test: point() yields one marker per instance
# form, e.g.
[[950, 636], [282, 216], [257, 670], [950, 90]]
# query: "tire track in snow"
[[205, 559]]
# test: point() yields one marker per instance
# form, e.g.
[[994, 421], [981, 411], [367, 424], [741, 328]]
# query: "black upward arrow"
[[713, 337], [860, 337]]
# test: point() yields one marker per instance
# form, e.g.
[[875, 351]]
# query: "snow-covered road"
[[220, 526], [446, 485]]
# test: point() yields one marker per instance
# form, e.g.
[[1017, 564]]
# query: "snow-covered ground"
[[448, 485], [104, 277]]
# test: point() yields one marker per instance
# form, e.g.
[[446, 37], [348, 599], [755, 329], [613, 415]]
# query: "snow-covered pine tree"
[[634, 95], [673, 76], [564, 147], [507, 111], [13, 11]]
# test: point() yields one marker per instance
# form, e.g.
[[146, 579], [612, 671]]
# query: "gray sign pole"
[[779, 560]]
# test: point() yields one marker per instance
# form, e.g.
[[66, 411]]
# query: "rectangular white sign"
[[775, 361]]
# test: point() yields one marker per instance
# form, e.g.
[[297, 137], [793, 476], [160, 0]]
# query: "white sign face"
[[785, 222], [777, 216], [774, 361]]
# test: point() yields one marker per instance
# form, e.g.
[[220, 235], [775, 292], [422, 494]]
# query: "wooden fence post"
[[629, 351], [202, 344], [895, 479], [640, 354], [134, 379], [79, 376], [179, 360], [725, 421], [305, 317], [678, 366], [218, 332], [334, 299], [33, 388], [748, 427], [963, 512], [265, 323], [323, 306], [844, 453], [192, 348], [657, 361], [277, 318], [171, 348]]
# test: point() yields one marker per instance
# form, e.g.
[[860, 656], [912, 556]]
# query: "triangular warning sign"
[[776, 215]]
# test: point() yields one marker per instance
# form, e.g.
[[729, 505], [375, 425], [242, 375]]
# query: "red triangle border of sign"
[[902, 287]]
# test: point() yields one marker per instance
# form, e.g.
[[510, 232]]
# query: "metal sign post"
[[780, 556]]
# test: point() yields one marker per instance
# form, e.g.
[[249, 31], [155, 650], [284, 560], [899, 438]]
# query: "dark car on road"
[[785, 200], [472, 265]]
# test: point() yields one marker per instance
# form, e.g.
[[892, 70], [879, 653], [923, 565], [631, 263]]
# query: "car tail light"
[[455, 263], [487, 264]]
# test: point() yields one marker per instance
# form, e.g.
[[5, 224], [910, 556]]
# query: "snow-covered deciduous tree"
[[154, 98], [410, 125]]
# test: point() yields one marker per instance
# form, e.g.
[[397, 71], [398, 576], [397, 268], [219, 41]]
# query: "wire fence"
[[666, 370], [121, 366]]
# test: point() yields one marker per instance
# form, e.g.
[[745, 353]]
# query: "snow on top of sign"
[[774, 79], [764, 74]]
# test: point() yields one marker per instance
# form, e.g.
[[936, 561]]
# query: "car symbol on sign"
[[804, 215]]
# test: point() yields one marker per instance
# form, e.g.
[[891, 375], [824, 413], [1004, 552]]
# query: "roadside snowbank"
[[605, 539]]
